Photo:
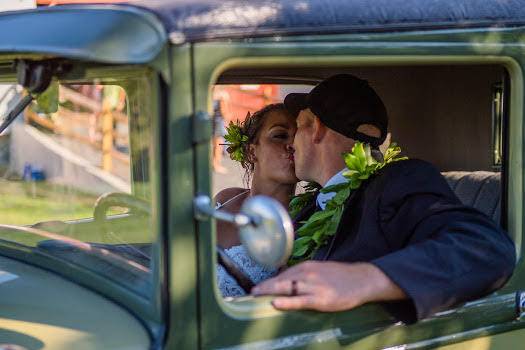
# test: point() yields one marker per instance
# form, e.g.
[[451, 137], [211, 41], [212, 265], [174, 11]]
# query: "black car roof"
[[137, 31], [193, 20]]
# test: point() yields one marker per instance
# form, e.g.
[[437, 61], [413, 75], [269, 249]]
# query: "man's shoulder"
[[409, 166], [411, 175]]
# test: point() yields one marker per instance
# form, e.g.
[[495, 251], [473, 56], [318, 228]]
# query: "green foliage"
[[236, 141], [316, 231], [47, 102], [301, 200]]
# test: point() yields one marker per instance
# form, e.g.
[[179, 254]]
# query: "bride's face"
[[273, 152]]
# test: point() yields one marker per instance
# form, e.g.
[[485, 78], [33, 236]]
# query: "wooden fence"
[[91, 122]]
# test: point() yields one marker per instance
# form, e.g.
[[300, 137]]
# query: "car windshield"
[[75, 182]]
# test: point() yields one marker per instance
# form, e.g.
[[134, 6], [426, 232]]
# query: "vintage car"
[[106, 240]]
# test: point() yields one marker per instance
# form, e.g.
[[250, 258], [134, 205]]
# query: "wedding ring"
[[294, 288]]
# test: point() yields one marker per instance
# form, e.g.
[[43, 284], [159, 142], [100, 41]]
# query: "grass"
[[27, 203]]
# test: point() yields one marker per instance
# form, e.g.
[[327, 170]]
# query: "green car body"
[[183, 309]]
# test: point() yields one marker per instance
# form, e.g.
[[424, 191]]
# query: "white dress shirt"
[[338, 178]]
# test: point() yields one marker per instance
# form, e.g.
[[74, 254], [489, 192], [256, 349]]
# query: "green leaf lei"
[[236, 141], [315, 232], [298, 202]]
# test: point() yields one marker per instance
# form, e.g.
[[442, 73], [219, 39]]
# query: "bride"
[[263, 146]]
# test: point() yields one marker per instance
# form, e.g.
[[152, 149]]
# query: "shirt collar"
[[322, 198]]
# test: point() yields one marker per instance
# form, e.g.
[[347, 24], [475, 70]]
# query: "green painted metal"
[[39, 310], [179, 189], [508, 340], [252, 321], [158, 267], [115, 34]]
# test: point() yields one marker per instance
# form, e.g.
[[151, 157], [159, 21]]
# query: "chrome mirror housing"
[[265, 228], [270, 241]]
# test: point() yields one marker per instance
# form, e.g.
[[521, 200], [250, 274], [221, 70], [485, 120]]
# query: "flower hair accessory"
[[236, 140]]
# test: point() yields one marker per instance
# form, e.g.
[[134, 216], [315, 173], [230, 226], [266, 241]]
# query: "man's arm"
[[329, 286], [443, 253]]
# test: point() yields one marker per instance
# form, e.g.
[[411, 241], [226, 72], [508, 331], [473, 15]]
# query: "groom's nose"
[[289, 148]]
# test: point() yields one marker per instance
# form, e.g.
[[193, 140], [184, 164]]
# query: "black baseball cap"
[[343, 102]]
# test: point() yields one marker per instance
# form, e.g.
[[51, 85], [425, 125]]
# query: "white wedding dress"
[[255, 271]]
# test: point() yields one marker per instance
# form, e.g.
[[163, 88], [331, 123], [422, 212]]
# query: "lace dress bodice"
[[255, 271]]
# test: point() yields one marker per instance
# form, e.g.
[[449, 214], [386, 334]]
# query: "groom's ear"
[[319, 131]]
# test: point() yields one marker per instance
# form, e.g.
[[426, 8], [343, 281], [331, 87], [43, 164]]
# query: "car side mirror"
[[265, 228]]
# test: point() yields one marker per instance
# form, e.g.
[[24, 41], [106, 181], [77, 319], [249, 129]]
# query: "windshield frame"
[[149, 311]]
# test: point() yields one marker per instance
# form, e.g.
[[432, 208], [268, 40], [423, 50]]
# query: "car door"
[[253, 322]]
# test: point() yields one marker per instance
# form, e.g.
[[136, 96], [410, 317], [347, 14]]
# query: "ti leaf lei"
[[298, 202], [316, 231]]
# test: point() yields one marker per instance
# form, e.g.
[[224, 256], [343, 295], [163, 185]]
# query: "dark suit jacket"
[[408, 222]]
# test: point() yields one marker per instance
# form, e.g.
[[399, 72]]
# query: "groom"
[[404, 237]]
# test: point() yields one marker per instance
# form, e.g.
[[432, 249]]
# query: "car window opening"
[[453, 116]]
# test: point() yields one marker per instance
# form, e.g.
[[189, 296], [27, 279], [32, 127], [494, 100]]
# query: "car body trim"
[[295, 340]]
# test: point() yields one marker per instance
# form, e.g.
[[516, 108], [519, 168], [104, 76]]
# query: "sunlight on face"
[[303, 144], [272, 152]]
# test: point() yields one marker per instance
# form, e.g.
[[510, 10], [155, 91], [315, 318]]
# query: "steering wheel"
[[125, 200], [118, 199]]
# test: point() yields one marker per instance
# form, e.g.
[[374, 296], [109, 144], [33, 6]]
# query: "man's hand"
[[329, 286]]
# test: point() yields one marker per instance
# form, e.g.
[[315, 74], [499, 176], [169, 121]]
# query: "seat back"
[[478, 189]]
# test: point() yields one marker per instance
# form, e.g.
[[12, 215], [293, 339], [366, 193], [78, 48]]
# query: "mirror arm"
[[20, 106], [204, 210], [35, 77]]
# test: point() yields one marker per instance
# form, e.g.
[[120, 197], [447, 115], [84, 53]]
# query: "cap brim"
[[296, 102]]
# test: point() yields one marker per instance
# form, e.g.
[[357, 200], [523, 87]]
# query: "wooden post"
[[107, 140]]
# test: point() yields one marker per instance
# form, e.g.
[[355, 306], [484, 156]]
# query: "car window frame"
[[211, 59]]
